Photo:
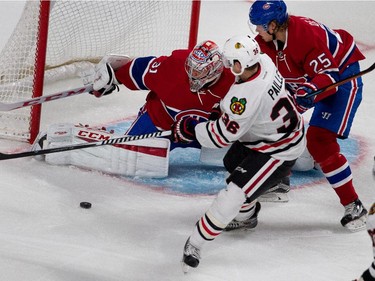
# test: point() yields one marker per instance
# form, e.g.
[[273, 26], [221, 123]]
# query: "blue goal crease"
[[184, 165]]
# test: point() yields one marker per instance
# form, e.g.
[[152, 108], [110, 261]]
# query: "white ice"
[[135, 233]]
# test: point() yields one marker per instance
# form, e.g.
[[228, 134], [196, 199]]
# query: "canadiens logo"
[[238, 106], [200, 115], [199, 55], [266, 6]]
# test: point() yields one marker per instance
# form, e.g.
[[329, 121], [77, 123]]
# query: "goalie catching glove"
[[105, 80], [183, 130]]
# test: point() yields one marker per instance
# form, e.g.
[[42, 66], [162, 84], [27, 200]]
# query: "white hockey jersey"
[[370, 223], [259, 113]]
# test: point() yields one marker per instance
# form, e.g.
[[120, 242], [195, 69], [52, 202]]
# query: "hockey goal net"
[[80, 33]]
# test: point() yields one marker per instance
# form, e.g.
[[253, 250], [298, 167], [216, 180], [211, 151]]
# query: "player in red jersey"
[[310, 56], [186, 83]]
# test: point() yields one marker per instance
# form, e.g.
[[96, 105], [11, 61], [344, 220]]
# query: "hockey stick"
[[42, 99], [341, 82], [119, 140]]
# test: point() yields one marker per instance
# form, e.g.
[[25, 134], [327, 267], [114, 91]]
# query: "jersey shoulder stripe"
[[139, 69]]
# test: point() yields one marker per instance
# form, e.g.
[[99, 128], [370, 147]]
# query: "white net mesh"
[[85, 31]]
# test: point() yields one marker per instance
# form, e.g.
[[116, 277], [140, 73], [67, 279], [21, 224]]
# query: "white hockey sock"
[[247, 210], [222, 211]]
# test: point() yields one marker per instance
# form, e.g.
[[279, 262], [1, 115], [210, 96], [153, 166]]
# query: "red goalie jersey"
[[170, 96]]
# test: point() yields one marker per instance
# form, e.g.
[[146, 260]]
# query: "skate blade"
[[274, 197], [185, 267], [356, 225]]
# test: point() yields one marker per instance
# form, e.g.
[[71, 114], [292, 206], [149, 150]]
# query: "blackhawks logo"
[[372, 209], [238, 106]]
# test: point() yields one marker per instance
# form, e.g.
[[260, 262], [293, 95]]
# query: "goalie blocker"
[[143, 158]]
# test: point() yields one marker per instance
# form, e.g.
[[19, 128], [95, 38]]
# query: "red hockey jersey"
[[168, 83], [312, 52]]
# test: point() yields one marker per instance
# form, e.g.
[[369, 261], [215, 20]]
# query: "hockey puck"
[[85, 205]]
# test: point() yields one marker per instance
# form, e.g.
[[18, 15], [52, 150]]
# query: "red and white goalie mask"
[[204, 65]]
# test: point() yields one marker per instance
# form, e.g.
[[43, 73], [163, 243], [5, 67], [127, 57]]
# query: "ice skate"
[[191, 257], [354, 217], [246, 224], [277, 193]]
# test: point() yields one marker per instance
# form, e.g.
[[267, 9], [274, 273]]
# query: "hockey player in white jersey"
[[261, 123], [369, 273]]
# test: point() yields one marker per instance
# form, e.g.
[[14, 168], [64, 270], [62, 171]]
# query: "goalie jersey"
[[260, 114], [169, 96]]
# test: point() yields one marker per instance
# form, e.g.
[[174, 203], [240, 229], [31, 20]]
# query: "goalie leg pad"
[[305, 162], [143, 158]]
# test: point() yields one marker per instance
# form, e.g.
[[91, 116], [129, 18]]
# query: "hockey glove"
[[215, 112], [105, 81], [183, 130], [303, 102]]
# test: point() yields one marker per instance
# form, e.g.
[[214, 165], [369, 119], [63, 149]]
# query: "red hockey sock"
[[322, 145], [337, 171]]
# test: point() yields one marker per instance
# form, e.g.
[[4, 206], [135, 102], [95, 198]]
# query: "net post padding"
[[40, 61]]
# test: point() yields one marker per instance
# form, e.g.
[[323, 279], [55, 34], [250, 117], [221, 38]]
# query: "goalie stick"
[[42, 99], [119, 140], [341, 82]]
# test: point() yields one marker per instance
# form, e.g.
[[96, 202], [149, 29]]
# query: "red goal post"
[[53, 40]]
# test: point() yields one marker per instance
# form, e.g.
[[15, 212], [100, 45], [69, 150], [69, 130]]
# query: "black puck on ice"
[[85, 205]]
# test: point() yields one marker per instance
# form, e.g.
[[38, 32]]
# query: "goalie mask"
[[204, 65]]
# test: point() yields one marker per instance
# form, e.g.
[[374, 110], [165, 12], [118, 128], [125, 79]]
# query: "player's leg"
[[262, 174], [332, 118], [279, 192], [223, 209], [336, 169], [251, 177]]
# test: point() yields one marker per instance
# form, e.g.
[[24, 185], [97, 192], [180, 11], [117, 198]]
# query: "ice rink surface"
[[135, 231]]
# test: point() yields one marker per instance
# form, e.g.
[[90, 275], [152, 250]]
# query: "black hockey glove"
[[215, 112]]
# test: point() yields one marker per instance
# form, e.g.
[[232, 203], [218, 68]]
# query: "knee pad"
[[227, 204], [321, 143]]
